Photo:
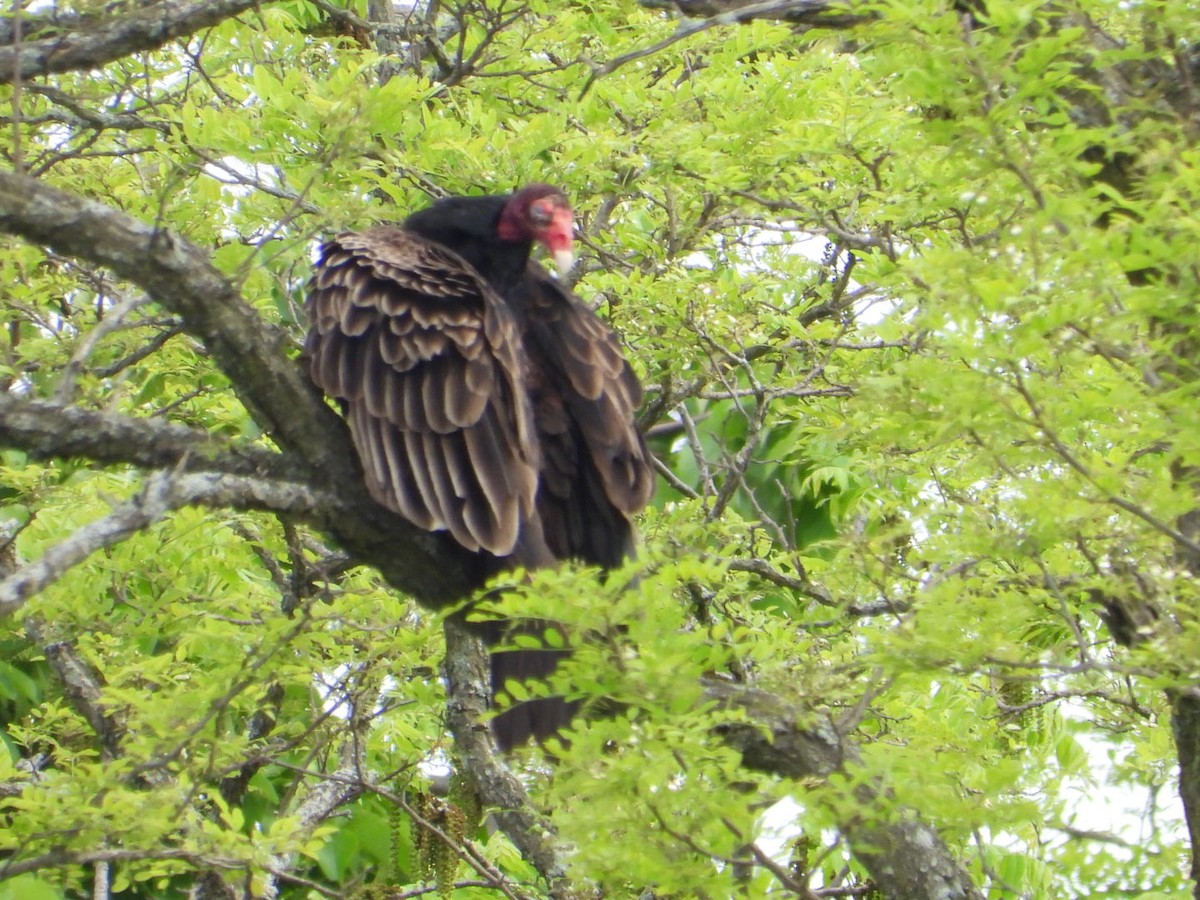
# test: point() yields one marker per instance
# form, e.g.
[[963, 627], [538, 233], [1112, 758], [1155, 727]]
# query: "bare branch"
[[83, 685], [182, 278], [468, 686], [328, 794], [807, 12], [799, 584], [57, 859], [163, 492], [49, 430], [112, 319], [828, 13], [80, 115], [88, 44]]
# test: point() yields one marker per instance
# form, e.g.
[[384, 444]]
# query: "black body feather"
[[484, 400]]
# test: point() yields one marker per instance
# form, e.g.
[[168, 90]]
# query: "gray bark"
[[53, 44]]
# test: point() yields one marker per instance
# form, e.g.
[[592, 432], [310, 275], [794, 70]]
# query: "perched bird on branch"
[[484, 399]]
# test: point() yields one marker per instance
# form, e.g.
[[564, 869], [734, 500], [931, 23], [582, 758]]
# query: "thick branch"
[[181, 277], [469, 687], [906, 857], [90, 44], [50, 430], [83, 686], [161, 494]]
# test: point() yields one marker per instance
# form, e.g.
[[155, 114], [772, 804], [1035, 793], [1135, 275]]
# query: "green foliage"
[[915, 306]]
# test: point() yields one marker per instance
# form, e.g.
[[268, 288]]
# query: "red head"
[[541, 213]]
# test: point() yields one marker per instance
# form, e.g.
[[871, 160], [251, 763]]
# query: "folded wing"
[[425, 361], [596, 470]]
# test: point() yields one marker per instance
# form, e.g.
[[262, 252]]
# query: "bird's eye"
[[541, 214]]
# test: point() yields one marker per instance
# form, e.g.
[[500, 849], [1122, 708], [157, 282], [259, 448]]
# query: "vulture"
[[484, 399]]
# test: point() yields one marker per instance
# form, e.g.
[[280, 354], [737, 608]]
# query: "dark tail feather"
[[538, 719]]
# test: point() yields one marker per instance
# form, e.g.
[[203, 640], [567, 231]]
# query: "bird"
[[484, 399]]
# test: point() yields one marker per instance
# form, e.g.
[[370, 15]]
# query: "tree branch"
[[56, 859], [905, 856], [163, 492], [50, 430], [723, 12], [322, 798], [83, 686], [180, 276], [84, 44], [469, 687], [829, 13]]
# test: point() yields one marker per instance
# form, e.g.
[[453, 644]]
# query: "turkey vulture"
[[484, 399]]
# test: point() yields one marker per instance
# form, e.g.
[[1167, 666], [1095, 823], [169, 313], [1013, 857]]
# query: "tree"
[[912, 287]]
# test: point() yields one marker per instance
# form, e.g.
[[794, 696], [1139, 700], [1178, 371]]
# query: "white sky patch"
[[1092, 803], [754, 249], [334, 699], [1133, 814], [241, 177]]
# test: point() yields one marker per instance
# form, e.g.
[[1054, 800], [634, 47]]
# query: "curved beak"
[[559, 238], [564, 259]]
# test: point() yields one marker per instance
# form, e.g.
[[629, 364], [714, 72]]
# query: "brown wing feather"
[[596, 469], [424, 358]]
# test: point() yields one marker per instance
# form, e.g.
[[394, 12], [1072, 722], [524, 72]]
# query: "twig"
[[162, 493], [111, 320], [145, 28], [809, 11]]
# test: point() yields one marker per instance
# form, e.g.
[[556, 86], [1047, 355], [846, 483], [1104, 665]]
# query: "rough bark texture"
[[1185, 702], [53, 45], [1185, 728], [468, 680], [161, 494], [181, 278], [51, 430], [313, 439], [905, 856], [314, 446], [1130, 91]]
